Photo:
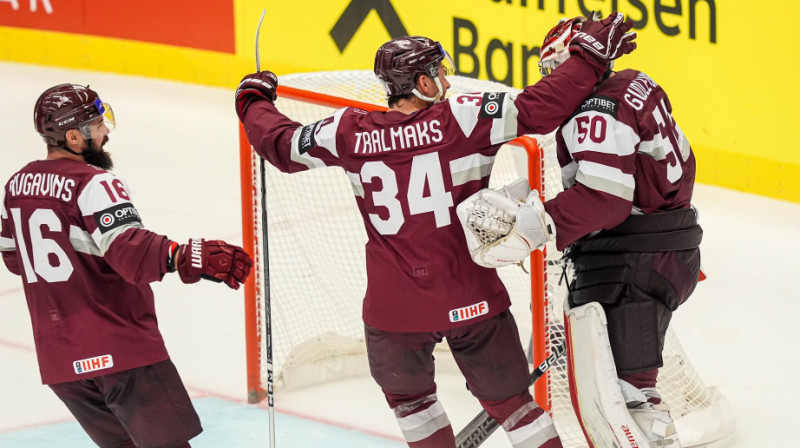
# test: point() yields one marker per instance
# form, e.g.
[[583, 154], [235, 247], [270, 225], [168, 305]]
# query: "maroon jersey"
[[70, 231], [408, 172], [621, 153]]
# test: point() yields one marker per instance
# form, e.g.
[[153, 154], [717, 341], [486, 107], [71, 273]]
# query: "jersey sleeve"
[[597, 153], [545, 105], [7, 244], [114, 231], [287, 144]]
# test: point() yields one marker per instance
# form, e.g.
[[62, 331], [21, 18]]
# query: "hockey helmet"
[[555, 48], [399, 61], [69, 106]]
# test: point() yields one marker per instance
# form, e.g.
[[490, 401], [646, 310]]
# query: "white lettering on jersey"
[[42, 184], [398, 137], [638, 91]]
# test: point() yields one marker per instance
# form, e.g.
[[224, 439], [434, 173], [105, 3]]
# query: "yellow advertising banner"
[[727, 66]]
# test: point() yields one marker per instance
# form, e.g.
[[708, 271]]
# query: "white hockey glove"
[[502, 227]]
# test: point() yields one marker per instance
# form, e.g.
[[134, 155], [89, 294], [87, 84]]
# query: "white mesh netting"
[[317, 273]]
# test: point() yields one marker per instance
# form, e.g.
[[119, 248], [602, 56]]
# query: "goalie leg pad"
[[596, 395]]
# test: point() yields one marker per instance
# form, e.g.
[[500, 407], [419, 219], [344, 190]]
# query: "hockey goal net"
[[306, 307]]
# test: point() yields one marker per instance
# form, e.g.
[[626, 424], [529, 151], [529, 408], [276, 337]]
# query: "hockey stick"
[[482, 426], [265, 244]]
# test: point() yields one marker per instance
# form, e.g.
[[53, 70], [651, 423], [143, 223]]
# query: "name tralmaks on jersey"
[[400, 137]]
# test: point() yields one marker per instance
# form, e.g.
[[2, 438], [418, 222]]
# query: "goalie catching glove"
[[217, 261], [503, 226]]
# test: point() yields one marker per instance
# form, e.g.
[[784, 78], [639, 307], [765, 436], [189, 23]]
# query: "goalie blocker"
[[503, 226]]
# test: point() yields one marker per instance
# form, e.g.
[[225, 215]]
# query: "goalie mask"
[[555, 48], [69, 106], [399, 62]]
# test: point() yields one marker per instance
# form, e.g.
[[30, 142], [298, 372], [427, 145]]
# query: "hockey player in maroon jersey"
[[70, 230], [409, 167], [628, 226]]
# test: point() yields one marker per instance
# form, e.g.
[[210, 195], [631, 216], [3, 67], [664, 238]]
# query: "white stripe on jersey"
[[505, 127], [656, 148], [606, 179], [355, 182], [305, 159], [324, 137], [83, 242], [469, 168], [465, 109], [568, 173], [100, 194], [325, 134], [103, 240], [621, 143], [96, 196], [7, 244]]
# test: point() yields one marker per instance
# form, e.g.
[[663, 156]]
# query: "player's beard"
[[97, 156]]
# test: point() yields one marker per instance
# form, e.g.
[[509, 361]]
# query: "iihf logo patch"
[[91, 364], [469, 312]]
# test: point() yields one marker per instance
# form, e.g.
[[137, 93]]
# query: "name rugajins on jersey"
[[42, 184]]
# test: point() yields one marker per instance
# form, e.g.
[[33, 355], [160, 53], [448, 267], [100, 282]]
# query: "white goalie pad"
[[594, 388], [503, 226]]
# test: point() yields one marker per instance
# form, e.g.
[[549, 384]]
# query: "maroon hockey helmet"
[[399, 61], [555, 48], [68, 106]]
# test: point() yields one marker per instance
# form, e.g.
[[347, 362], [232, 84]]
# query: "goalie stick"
[[267, 299], [482, 426]]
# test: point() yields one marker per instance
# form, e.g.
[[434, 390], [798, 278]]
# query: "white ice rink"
[[177, 147]]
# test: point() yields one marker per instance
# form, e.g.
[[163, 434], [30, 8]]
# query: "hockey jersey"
[[71, 232], [622, 152], [408, 172]]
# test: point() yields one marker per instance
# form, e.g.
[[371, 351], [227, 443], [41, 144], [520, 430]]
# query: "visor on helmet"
[[447, 62], [105, 111]]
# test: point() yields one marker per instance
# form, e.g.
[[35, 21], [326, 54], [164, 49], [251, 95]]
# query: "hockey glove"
[[253, 87], [600, 42], [217, 261]]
